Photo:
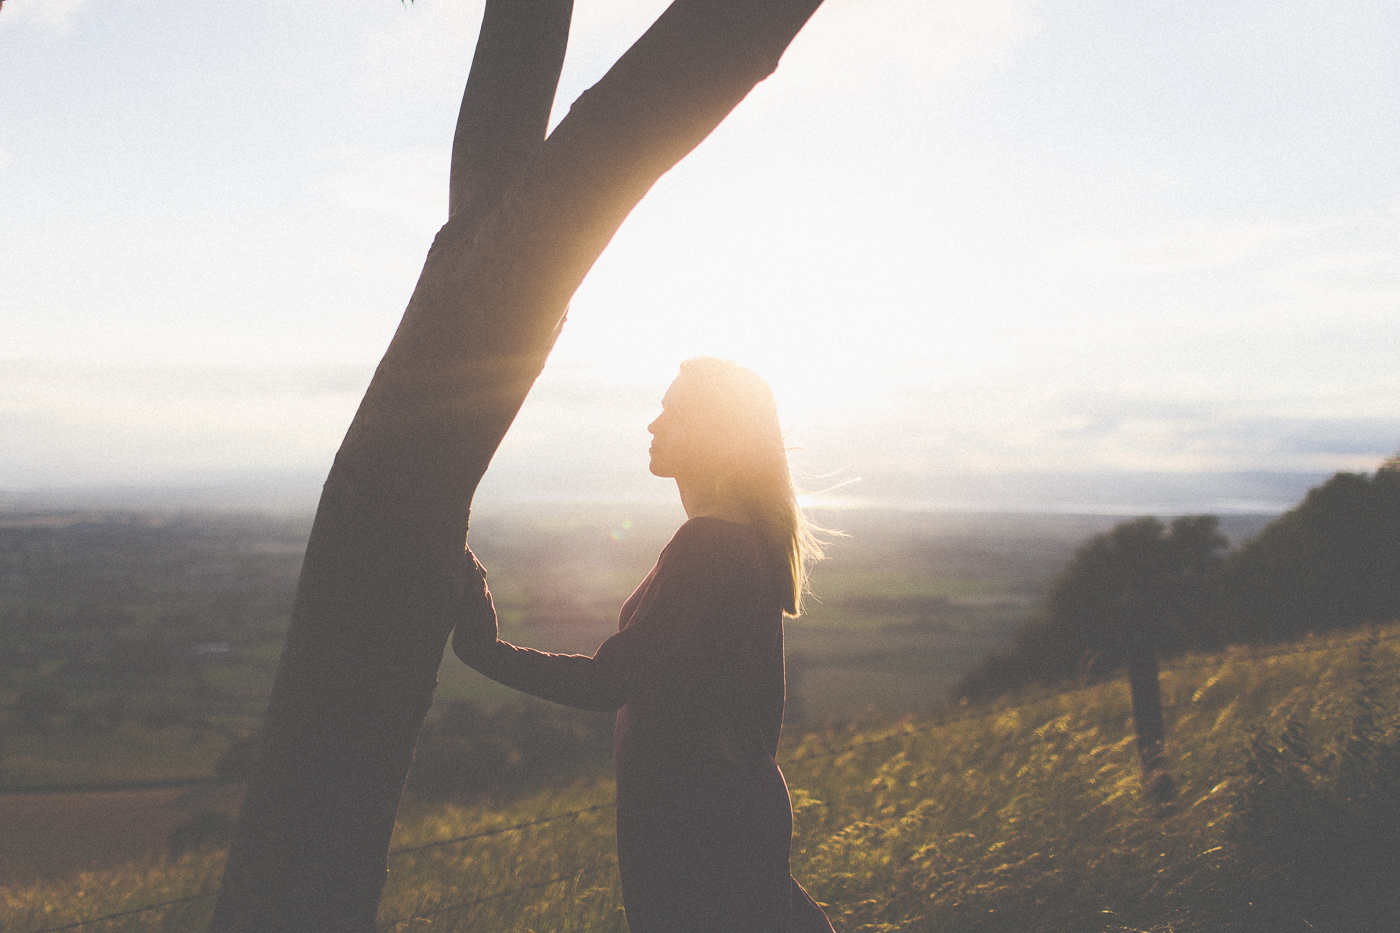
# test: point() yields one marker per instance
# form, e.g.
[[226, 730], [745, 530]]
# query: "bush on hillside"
[[1333, 561], [1319, 817], [1141, 580]]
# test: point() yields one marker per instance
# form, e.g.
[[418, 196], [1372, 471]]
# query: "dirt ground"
[[53, 835]]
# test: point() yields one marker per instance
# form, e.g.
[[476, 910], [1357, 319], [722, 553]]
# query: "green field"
[[1020, 817], [103, 617], [136, 647]]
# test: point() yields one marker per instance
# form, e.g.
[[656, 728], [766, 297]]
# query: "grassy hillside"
[[1023, 817]]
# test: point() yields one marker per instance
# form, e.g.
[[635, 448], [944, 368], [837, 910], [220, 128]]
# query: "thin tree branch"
[[506, 105]]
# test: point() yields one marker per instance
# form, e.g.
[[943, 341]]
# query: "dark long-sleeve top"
[[696, 675], [698, 654]]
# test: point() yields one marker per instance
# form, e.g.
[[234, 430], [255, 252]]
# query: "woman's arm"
[[695, 617], [569, 679]]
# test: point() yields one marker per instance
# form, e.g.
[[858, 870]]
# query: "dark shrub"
[[1332, 561], [1319, 821]]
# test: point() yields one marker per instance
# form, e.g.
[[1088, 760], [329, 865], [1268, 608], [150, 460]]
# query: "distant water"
[[1254, 493], [1031, 506]]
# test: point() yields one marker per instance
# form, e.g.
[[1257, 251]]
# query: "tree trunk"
[[1145, 688], [526, 222]]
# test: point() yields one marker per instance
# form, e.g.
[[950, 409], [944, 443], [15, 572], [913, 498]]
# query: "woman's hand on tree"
[[473, 611]]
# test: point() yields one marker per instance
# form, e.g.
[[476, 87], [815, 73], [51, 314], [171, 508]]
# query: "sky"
[[965, 240]]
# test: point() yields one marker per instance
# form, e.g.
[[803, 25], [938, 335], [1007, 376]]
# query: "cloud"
[[1199, 248], [38, 383], [55, 17], [66, 422], [582, 434], [423, 50], [849, 43], [1365, 438], [1017, 423], [406, 186], [1315, 258]]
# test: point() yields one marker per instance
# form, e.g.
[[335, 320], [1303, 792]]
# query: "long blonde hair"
[[742, 418]]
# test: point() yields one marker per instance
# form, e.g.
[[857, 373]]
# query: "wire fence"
[[127, 913], [402, 850], [464, 905], [501, 830], [904, 731]]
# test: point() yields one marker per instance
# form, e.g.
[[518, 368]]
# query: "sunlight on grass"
[[1020, 818]]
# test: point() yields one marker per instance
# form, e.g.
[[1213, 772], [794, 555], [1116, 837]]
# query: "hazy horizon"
[[1107, 494]]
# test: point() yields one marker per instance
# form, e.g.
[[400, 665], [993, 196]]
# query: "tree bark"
[[371, 617]]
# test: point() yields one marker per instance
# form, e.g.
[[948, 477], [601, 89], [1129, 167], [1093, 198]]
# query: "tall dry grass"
[[1024, 817]]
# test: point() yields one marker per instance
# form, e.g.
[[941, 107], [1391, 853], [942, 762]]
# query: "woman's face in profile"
[[683, 445]]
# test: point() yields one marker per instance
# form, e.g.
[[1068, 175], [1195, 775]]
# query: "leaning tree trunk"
[[527, 220]]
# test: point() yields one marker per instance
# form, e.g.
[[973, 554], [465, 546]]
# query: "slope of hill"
[[1020, 817]]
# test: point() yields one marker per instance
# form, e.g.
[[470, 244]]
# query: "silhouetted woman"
[[695, 673]]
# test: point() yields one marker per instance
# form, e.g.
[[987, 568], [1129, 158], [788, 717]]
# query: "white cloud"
[[407, 186], [583, 431], [56, 17], [1356, 252], [852, 42], [1017, 423], [426, 50], [1195, 248], [67, 422], [848, 43]]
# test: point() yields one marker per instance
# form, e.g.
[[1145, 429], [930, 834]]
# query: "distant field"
[[136, 646], [128, 753], [906, 603], [58, 835], [153, 639]]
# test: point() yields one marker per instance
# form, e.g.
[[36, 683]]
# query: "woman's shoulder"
[[714, 546], [704, 531]]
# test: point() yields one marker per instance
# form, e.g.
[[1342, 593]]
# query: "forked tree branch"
[[506, 106]]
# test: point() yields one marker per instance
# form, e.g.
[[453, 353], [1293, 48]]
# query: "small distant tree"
[[1138, 591], [1332, 561], [1142, 581], [1142, 584]]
